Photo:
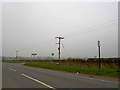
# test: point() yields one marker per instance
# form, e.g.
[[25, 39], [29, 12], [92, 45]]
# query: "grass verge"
[[84, 69]]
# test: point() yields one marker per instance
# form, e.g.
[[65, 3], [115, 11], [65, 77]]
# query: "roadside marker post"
[[99, 54]]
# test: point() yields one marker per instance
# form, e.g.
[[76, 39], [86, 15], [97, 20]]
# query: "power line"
[[87, 29], [84, 32], [106, 24]]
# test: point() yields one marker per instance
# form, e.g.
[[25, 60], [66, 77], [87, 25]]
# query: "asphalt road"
[[19, 76]]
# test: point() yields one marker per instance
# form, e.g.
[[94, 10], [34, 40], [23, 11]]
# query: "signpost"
[[34, 54]]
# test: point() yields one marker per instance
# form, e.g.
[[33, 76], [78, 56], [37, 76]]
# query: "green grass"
[[84, 69]]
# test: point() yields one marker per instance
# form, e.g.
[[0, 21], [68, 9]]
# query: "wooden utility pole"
[[16, 54], [59, 46]]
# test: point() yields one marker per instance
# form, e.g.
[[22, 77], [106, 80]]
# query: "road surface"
[[19, 76]]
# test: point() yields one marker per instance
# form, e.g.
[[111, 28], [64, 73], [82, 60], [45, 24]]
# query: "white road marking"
[[37, 81], [12, 69], [92, 78]]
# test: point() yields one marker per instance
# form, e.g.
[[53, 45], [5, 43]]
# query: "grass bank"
[[84, 69]]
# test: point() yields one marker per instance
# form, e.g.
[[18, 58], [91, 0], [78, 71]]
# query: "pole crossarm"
[[60, 37]]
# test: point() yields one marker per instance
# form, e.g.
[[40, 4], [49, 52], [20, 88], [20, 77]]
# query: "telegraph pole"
[[59, 46], [99, 54], [16, 54]]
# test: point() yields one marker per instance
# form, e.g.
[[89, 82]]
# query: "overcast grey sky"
[[32, 26]]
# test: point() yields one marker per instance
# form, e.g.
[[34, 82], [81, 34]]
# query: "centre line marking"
[[37, 81], [12, 69]]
